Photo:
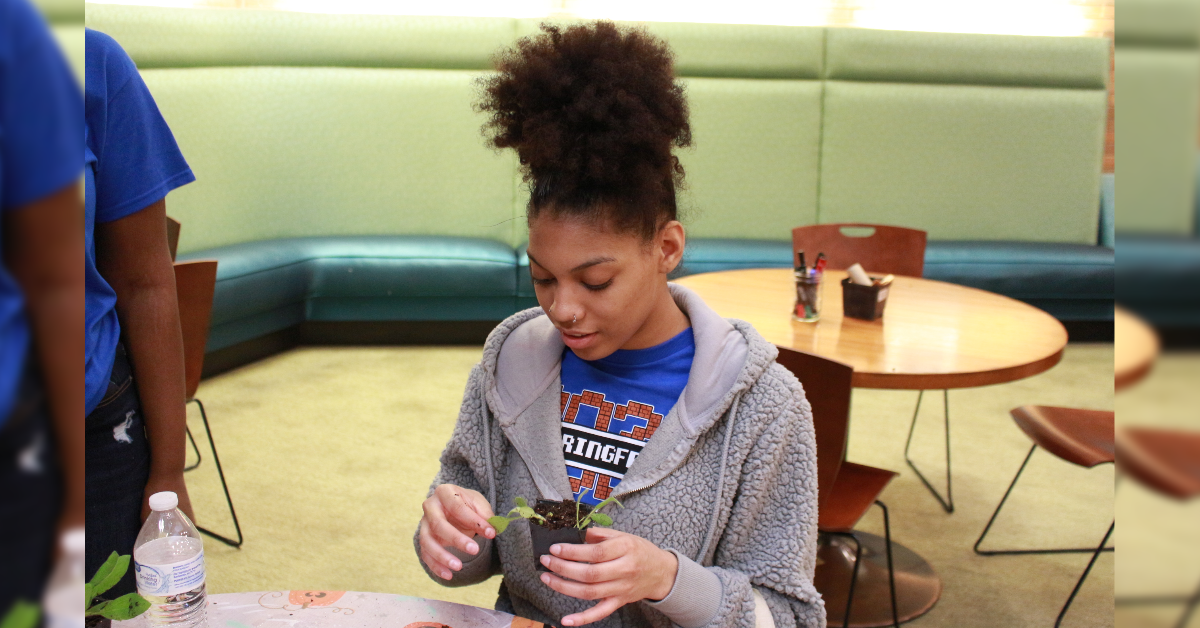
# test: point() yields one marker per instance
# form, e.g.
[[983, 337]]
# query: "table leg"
[[918, 587], [947, 502]]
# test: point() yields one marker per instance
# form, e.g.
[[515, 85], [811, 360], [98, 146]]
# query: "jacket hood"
[[522, 358]]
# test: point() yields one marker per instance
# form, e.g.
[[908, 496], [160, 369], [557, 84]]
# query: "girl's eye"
[[541, 282], [597, 288]]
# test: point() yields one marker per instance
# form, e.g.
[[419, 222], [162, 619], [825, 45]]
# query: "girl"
[[622, 384]]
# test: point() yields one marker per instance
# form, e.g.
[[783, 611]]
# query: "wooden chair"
[[1168, 462], [845, 490], [195, 283], [1081, 437], [882, 249]]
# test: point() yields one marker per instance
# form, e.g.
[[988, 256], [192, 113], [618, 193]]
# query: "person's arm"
[[44, 251], [132, 256]]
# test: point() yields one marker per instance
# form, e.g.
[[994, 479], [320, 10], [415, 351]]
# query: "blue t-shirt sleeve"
[[41, 137], [137, 159]]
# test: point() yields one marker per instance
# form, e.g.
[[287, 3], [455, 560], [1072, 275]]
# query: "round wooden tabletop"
[[933, 335], [1135, 348]]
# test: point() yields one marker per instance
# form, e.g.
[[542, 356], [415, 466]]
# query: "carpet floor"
[[329, 451]]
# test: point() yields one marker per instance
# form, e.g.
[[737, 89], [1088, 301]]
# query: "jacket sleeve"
[[463, 464], [769, 543]]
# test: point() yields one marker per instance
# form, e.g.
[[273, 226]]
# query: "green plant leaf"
[[97, 609], [521, 502], [600, 518], [114, 575], [610, 500], [89, 592], [22, 614], [500, 523], [126, 607]]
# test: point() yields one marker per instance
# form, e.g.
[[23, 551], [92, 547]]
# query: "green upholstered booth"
[[65, 18], [1157, 59], [342, 175]]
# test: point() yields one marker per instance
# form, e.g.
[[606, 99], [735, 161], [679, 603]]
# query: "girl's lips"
[[576, 341]]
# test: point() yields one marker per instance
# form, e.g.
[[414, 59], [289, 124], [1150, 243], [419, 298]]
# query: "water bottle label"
[[171, 579]]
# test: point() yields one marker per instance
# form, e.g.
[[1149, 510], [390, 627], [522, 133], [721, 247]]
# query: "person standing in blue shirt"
[[134, 347], [41, 302]]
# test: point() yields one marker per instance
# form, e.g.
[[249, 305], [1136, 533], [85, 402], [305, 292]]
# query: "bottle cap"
[[166, 500]]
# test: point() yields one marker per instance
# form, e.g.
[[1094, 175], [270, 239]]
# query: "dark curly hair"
[[593, 112]]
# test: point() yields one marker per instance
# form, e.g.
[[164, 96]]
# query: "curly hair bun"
[[593, 111]]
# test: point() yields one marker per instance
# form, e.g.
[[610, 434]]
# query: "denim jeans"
[[118, 467], [30, 495]]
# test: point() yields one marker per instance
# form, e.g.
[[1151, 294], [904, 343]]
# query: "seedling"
[[107, 576], [595, 516], [522, 511], [22, 614]]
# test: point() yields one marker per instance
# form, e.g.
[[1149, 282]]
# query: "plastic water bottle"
[[63, 600], [168, 564]]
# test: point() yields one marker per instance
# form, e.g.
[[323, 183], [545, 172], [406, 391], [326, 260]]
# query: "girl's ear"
[[670, 243]]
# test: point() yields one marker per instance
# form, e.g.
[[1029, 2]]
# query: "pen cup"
[[808, 297], [864, 302]]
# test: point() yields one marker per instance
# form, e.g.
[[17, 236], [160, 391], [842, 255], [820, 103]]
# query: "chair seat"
[[1082, 437], [1167, 461], [855, 489]]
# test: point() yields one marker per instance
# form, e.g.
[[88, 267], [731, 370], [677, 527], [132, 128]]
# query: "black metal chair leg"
[[853, 575], [1079, 585], [1014, 552], [221, 472], [887, 536], [187, 430], [947, 502]]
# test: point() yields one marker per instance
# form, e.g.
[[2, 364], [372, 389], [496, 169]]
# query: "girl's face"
[[604, 290]]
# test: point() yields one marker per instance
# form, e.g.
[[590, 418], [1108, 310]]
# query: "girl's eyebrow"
[[587, 264]]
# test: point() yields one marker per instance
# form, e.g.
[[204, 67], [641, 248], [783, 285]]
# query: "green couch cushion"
[[262, 285], [1159, 23], [158, 37], [964, 162], [61, 11], [863, 54], [731, 50], [1158, 95], [288, 152]]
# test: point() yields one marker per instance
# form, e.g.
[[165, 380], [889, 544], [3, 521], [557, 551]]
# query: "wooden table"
[[933, 335], [313, 608], [1135, 348]]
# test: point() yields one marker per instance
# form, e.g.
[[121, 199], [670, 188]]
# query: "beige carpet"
[[329, 452]]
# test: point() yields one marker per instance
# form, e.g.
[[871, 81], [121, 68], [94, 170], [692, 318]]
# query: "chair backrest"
[[827, 386], [173, 227], [195, 283], [880, 248]]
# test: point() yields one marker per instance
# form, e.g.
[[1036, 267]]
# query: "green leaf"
[[114, 575], [22, 614], [610, 500], [500, 523], [521, 502], [89, 594], [97, 609], [601, 519], [126, 607]]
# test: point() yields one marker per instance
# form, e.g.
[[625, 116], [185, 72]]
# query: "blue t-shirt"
[[612, 406], [39, 155], [131, 162]]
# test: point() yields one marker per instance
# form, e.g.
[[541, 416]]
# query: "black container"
[[864, 302], [543, 538]]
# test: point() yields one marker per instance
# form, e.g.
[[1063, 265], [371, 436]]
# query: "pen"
[[803, 268]]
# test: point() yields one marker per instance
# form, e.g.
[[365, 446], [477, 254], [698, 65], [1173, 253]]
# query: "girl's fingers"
[[595, 613], [440, 562], [449, 534], [580, 590], [590, 573]]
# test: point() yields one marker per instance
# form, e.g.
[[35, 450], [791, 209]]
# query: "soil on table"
[[559, 515]]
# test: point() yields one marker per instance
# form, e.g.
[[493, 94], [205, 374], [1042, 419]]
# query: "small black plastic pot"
[[543, 538]]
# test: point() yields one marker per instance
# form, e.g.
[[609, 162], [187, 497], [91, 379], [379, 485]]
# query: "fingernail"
[[568, 622], [555, 549], [455, 564], [446, 575], [546, 560], [472, 548], [546, 578], [490, 533]]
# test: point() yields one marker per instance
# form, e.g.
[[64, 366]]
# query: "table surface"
[[1135, 348], [933, 335], [343, 609]]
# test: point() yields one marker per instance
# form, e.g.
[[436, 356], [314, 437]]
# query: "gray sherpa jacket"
[[728, 482]]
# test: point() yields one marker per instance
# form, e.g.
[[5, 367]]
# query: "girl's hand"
[[614, 567], [453, 516]]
